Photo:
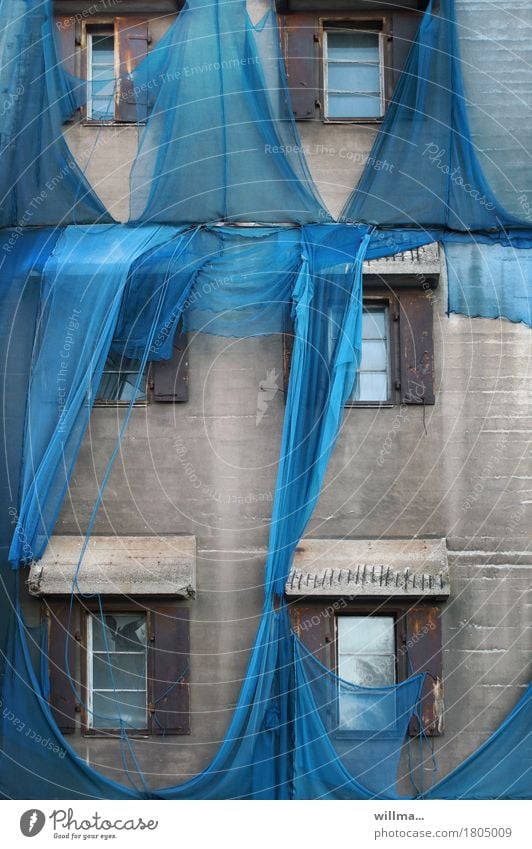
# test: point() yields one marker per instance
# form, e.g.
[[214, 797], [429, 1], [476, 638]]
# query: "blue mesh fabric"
[[221, 142], [490, 280], [40, 182], [433, 176], [348, 739]]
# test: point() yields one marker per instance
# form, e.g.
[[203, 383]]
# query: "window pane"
[[119, 378], [109, 708], [365, 711], [103, 50], [119, 632], [372, 386], [374, 323], [359, 46], [375, 671], [355, 78], [374, 356], [354, 106], [119, 671], [366, 634]]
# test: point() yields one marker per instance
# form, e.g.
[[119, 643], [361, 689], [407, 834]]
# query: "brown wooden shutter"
[[302, 60], [131, 34], [404, 30], [416, 347], [65, 27], [62, 693], [314, 625], [170, 377], [424, 644], [170, 703]]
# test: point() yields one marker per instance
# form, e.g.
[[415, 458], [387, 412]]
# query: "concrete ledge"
[[117, 565], [367, 568]]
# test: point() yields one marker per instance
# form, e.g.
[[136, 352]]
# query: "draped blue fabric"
[[433, 176], [221, 142], [490, 280], [501, 768], [348, 739], [40, 181], [221, 146]]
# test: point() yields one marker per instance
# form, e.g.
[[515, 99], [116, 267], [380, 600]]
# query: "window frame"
[[88, 29], [325, 71], [356, 22], [88, 671], [88, 611], [143, 402], [391, 302]]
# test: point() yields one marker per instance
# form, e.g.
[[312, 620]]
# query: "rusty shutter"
[[416, 347], [170, 377], [300, 44], [170, 703], [65, 27], [424, 643], [314, 625], [62, 697], [404, 31], [131, 35]]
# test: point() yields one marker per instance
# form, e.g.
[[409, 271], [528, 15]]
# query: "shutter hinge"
[[397, 384], [77, 636], [395, 316], [77, 708], [317, 103], [316, 38], [151, 708]]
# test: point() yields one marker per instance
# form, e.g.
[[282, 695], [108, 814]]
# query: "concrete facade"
[[459, 470]]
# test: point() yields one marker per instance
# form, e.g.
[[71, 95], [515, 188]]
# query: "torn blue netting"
[[425, 168], [40, 181], [489, 280], [221, 143]]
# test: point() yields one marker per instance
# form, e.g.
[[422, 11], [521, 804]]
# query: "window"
[[118, 382], [133, 661], [101, 74], [353, 74], [397, 363], [117, 671], [374, 375], [366, 657]]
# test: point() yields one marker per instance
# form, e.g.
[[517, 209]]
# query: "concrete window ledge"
[[364, 568], [117, 565]]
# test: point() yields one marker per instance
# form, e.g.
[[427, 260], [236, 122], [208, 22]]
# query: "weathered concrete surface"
[[125, 565]]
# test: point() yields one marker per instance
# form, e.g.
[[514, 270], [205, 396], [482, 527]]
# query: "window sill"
[[370, 121], [88, 122]]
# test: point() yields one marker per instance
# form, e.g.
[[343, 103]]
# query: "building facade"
[[417, 557]]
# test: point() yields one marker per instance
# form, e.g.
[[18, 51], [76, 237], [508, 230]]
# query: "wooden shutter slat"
[[302, 62], [131, 34], [171, 670], [62, 696], [424, 642], [170, 377], [416, 348], [65, 27]]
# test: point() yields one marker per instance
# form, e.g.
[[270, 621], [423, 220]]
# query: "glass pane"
[[119, 632], [374, 356], [366, 634], [102, 108], [118, 380], [103, 88], [359, 46], [371, 386], [109, 708], [366, 712], [119, 671], [345, 77], [374, 671], [374, 323], [103, 50], [354, 105]]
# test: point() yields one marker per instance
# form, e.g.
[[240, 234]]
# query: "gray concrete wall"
[[460, 469]]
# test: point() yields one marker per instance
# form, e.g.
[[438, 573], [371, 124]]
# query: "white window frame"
[[90, 683], [362, 118], [102, 29]]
